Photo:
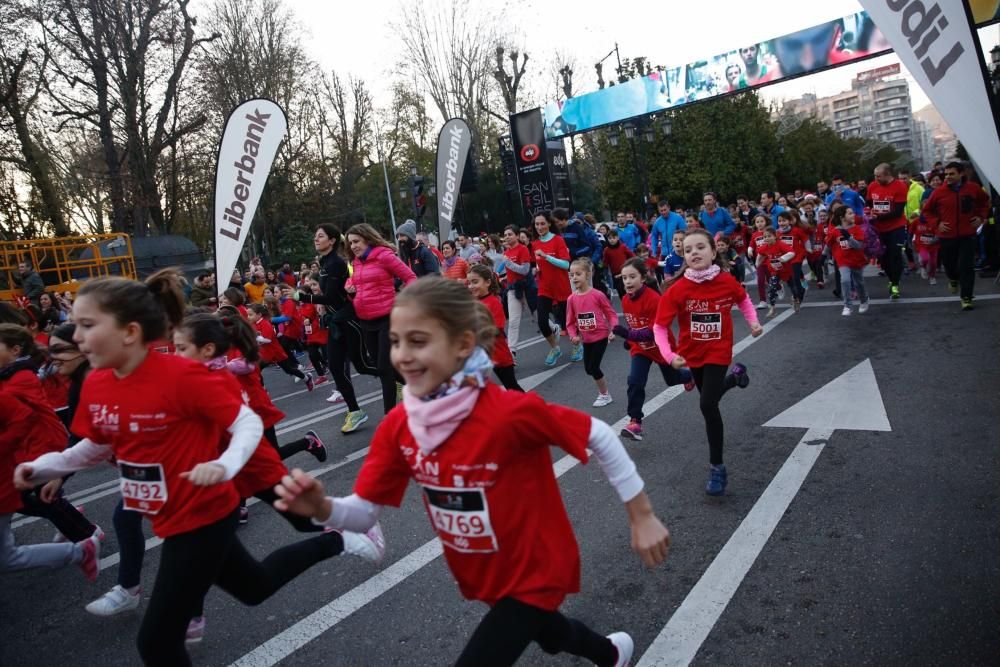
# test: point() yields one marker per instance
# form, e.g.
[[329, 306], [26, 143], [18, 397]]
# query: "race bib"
[[143, 486], [586, 321], [776, 264], [881, 206], [928, 239], [790, 240], [461, 518], [845, 244], [309, 328], [706, 326]]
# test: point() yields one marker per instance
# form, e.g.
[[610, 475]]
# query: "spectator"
[[580, 238], [255, 286], [422, 237], [466, 247], [843, 193], [629, 234], [203, 292], [286, 275], [715, 219], [770, 207], [454, 267], [31, 282], [415, 254]]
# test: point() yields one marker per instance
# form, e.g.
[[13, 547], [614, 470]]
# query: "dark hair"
[[722, 262], [452, 304], [154, 305], [65, 332], [223, 332], [513, 229], [14, 334], [837, 177], [10, 314], [260, 309], [273, 306], [954, 164], [637, 264], [203, 275], [449, 242], [838, 215], [489, 276], [235, 296], [560, 214], [792, 217], [542, 214]]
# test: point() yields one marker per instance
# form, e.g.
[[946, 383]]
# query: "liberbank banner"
[[454, 142], [844, 40]]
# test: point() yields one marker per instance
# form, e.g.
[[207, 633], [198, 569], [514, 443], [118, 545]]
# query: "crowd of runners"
[[164, 379]]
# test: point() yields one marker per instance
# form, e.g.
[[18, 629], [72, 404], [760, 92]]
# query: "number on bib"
[[143, 486], [461, 518], [706, 326]]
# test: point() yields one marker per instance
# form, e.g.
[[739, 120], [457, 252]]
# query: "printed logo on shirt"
[[776, 264], [927, 239], [694, 305], [101, 416], [706, 326], [845, 244], [461, 518], [586, 321], [143, 486]]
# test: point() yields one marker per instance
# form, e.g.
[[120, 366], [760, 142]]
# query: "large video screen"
[[844, 40]]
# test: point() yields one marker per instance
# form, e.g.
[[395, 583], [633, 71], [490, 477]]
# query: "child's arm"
[[609, 312], [245, 431], [240, 366], [750, 315], [303, 494], [571, 328], [84, 454]]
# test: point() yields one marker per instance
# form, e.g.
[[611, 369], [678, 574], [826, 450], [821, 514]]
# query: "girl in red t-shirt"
[[639, 306], [791, 233], [552, 258], [485, 286], [162, 418], [701, 300], [847, 241], [271, 351], [317, 336], [925, 242], [517, 260], [760, 223], [474, 449], [777, 257]]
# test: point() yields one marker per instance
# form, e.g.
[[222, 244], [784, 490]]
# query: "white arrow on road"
[[850, 402]]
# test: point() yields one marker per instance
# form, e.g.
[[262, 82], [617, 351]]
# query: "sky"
[[358, 39]]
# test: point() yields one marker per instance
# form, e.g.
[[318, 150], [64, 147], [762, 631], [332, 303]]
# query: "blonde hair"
[[452, 304], [585, 264]]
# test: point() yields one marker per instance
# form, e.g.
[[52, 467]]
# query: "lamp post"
[[633, 130]]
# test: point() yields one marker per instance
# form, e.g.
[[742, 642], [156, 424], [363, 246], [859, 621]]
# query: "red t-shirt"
[[491, 494], [615, 257], [255, 394], [315, 333], [501, 350], [164, 418], [46, 433], [843, 253], [882, 198], [703, 316], [519, 254], [272, 352], [553, 282], [15, 425], [640, 313], [738, 239], [756, 240], [293, 327], [924, 233], [795, 238], [772, 259]]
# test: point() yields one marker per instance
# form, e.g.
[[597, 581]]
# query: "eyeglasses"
[[63, 349]]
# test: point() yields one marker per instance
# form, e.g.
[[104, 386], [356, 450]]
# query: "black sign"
[[542, 172]]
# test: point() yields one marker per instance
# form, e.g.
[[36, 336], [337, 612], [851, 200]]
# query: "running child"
[[271, 351], [847, 242], [317, 336], [925, 242], [552, 258], [674, 260], [517, 259], [639, 305], [776, 256], [653, 264], [760, 223], [589, 320], [791, 234], [706, 337], [730, 256], [615, 255], [485, 286], [499, 546], [162, 418]]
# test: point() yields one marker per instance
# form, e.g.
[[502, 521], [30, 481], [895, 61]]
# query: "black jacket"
[[333, 275]]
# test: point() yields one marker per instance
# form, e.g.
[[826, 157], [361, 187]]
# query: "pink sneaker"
[[633, 431], [316, 446], [320, 380], [195, 631], [90, 561]]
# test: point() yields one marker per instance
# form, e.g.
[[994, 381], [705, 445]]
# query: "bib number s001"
[[143, 486], [706, 326], [461, 518]]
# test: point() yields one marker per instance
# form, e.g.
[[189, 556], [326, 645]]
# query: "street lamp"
[[667, 126], [613, 138]]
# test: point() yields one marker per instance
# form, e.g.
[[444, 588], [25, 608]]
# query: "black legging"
[[713, 383], [346, 343], [507, 629], [892, 259], [593, 353], [545, 307], [63, 515], [191, 562], [317, 355], [507, 378], [376, 337]]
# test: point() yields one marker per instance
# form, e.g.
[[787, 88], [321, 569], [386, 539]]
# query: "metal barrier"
[[64, 263]]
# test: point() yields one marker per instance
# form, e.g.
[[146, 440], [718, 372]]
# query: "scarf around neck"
[[433, 418], [703, 275]]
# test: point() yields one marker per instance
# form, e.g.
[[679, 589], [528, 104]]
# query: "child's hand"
[[22, 477], [575, 340], [679, 362], [205, 474], [302, 494], [50, 491], [540, 254], [611, 336], [756, 329], [650, 538]]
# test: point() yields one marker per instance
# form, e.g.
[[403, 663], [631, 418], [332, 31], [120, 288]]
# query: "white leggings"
[[13, 557], [515, 308]]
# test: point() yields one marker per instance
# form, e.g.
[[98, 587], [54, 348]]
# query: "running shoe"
[[602, 400], [894, 291], [115, 601], [690, 385], [863, 308], [353, 421], [953, 286], [740, 376], [625, 647], [770, 311], [577, 353], [717, 479], [820, 284], [195, 631], [310, 382], [932, 281], [335, 397], [244, 515], [369, 546], [59, 538], [320, 379], [781, 293], [796, 305], [316, 446], [836, 292], [633, 430], [923, 272], [90, 559], [553, 356], [846, 312], [761, 305], [967, 304]]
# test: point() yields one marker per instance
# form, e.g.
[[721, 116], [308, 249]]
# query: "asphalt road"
[[886, 555]]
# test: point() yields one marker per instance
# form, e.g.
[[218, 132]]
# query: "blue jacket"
[[629, 235], [850, 198], [720, 221], [663, 231], [775, 210], [583, 241]]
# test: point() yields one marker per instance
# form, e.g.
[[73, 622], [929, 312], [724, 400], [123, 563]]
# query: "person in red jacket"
[[639, 306], [957, 209], [791, 233], [291, 319], [777, 257], [887, 195], [701, 300], [552, 258], [485, 286], [271, 351], [846, 240], [616, 254]]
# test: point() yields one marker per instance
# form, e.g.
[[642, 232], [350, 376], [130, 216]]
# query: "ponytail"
[[242, 336]]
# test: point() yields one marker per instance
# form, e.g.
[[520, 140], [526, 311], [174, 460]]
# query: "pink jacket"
[[374, 281], [590, 316]]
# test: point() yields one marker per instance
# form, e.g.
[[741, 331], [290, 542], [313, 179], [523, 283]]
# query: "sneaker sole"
[[355, 427], [625, 433]]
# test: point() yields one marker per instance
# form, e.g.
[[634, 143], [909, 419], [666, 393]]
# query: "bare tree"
[[509, 83]]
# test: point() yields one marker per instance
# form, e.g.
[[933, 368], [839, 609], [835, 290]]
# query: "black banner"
[[542, 169]]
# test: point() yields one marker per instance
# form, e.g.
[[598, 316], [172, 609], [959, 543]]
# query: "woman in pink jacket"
[[373, 286]]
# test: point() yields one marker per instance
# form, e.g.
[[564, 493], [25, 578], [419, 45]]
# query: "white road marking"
[[315, 624]]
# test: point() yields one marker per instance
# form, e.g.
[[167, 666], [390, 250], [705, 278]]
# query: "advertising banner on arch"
[[937, 43], [250, 141], [454, 143]]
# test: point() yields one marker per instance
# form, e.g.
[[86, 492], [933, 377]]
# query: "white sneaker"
[[602, 400], [59, 538], [335, 397], [846, 311], [863, 308], [761, 305], [932, 281], [923, 273], [370, 546], [115, 601], [625, 647]]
